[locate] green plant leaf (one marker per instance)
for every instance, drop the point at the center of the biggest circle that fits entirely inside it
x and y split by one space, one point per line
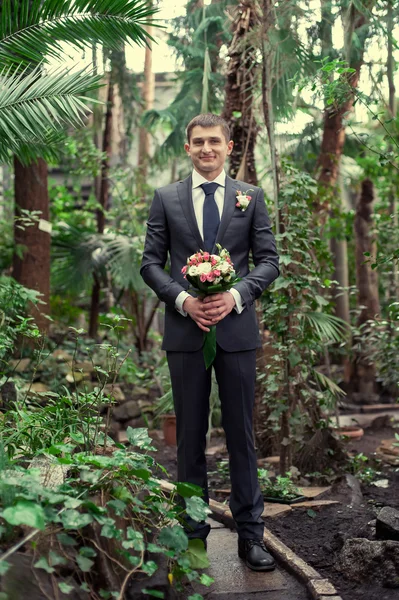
66 540
174 538
139 437
150 567
153 593
43 564
187 490
206 580
197 509
4 566
73 519
25 512
84 563
197 555
209 347
65 588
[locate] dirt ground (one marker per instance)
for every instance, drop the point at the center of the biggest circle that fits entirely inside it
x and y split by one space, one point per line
319 537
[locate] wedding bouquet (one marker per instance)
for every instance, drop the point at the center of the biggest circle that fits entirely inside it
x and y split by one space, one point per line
210 274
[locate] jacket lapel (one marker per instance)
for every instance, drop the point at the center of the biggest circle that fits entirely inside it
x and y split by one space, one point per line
184 191
228 207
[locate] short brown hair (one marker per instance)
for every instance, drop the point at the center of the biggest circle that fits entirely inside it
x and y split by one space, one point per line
208 120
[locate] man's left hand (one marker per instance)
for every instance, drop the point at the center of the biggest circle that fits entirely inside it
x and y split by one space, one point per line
218 306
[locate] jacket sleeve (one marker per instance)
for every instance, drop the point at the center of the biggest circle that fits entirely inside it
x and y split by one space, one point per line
264 254
155 255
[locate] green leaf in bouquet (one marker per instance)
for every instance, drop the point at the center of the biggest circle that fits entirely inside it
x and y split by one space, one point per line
209 348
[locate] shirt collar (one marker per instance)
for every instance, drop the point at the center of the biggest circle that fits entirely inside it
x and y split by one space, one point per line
199 180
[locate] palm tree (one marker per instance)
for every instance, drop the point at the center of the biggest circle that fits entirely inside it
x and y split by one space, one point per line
37 103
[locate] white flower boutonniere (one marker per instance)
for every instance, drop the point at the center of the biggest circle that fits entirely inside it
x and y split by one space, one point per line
243 200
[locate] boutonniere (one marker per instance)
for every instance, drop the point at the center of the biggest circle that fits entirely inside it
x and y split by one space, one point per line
243 199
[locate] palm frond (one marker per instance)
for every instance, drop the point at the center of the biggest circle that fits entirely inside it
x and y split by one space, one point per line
77 254
328 384
33 104
33 30
125 255
327 328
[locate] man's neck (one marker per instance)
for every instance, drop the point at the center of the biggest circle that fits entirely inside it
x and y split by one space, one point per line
209 176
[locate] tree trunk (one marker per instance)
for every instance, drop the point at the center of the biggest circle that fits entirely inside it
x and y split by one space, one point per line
31 262
366 277
267 106
239 93
363 381
148 102
104 202
334 128
393 208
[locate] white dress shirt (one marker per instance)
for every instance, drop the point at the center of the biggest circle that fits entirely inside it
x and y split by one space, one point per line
198 196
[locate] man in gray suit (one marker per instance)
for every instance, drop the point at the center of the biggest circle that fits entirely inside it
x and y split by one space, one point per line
186 216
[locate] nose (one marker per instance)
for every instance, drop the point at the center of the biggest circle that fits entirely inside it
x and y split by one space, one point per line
206 147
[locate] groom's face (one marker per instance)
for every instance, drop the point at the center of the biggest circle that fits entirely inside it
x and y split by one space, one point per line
208 149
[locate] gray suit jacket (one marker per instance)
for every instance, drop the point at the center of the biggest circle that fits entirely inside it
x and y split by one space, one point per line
172 228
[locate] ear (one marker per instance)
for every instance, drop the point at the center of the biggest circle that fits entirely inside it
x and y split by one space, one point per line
230 146
187 148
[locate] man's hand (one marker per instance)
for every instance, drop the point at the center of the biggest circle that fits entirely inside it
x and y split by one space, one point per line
196 309
218 306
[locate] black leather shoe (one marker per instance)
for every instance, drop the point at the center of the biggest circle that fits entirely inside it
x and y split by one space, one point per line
255 554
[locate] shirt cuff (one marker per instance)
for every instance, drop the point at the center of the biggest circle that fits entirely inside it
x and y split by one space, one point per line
180 301
239 307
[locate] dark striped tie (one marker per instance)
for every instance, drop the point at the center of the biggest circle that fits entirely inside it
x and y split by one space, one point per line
211 218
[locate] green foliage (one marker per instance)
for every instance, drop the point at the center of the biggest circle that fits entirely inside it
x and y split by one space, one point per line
15 322
281 487
360 466
297 311
61 475
30 34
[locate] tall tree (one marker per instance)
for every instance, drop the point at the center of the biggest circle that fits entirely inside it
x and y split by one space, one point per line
33 33
357 26
239 106
148 102
103 201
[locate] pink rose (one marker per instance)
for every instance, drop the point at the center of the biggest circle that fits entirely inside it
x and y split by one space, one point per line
216 272
210 276
203 277
237 204
206 256
248 197
184 270
214 261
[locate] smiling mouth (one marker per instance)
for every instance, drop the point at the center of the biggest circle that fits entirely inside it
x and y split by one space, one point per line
207 157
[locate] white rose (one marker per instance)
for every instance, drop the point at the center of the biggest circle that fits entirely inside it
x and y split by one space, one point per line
244 202
217 280
204 268
193 271
224 267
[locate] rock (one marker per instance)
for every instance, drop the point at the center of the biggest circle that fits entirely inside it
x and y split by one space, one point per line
24 581
362 560
137 422
346 489
62 356
139 392
52 474
20 365
387 526
8 395
114 392
128 410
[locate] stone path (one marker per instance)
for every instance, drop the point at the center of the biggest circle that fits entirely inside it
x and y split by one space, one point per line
234 581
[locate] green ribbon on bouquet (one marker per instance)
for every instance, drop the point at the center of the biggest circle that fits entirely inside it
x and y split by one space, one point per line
202 290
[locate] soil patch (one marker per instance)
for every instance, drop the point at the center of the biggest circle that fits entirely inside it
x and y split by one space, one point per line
317 535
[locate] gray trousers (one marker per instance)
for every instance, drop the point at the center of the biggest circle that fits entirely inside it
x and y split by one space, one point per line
191 386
